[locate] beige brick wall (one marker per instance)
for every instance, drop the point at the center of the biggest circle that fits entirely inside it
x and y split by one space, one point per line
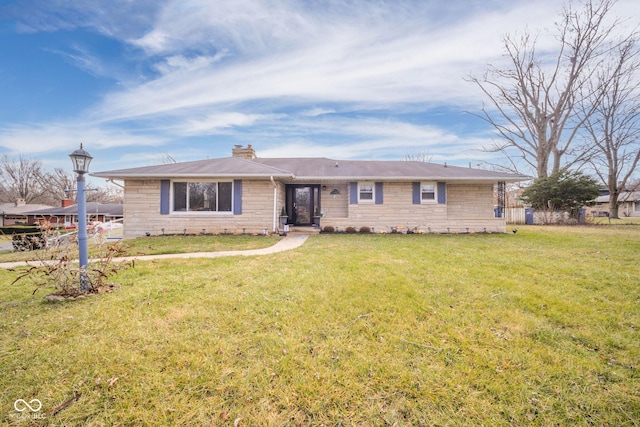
469 208
335 206
142 211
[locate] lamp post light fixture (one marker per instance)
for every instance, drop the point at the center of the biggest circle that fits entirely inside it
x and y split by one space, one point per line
81 160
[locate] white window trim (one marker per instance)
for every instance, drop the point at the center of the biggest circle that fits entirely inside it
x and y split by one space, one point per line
172 211
435 192
636 206
373 192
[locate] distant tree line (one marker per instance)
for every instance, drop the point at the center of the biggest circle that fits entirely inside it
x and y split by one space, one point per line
26 179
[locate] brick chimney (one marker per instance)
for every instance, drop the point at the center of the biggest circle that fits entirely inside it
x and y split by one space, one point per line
66 202
21 202
244 153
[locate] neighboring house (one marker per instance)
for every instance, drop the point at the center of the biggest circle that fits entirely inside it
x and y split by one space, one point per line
13 213
628 204
67 214
245 194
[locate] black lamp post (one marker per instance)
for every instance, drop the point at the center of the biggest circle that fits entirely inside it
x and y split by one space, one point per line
81 160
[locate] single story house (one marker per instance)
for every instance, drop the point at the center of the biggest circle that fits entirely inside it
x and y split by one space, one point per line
13 213
246 194
67 213
628 204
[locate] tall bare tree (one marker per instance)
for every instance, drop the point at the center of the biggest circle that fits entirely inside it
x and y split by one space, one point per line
533 100
614 126
22 178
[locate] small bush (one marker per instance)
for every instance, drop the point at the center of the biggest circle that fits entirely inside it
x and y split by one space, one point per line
328 229
350 230
365 230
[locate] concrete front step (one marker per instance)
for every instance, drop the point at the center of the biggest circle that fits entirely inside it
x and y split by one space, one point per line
303 230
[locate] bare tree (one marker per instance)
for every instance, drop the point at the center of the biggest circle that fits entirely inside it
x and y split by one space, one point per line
107 194
60 185
422 156
534 100
22 179
614 126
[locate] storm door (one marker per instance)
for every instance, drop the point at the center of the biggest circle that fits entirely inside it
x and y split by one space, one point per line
302 201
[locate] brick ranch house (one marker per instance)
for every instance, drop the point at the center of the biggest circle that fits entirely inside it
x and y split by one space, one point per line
246 194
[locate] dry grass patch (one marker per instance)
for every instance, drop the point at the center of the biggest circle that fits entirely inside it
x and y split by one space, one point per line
538 328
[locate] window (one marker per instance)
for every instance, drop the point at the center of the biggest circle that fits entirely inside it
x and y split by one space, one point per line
202 196
365 191
636 207
428 192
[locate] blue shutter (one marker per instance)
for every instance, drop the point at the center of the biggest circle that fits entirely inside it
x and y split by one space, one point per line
379 193
237 197
353 193
165 191
416 192
442 193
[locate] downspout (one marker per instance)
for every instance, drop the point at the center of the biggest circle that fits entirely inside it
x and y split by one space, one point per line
115 183
275 203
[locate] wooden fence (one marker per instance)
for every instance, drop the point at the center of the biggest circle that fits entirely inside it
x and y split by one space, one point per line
514 215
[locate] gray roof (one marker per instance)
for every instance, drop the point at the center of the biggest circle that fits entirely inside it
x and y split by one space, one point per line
312 169
19 209
231 167
93 208
627 196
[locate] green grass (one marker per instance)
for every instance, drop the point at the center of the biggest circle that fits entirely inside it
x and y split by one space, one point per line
538 328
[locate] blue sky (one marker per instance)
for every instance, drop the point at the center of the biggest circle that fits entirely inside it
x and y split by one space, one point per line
136 81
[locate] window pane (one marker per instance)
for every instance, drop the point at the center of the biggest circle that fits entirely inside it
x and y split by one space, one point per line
225 196
428 192
366 191
210 196
180 196
202 196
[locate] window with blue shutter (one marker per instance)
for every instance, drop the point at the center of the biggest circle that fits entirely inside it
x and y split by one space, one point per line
426 192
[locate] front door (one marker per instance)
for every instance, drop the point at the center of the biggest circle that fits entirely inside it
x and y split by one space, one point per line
303 206
302 200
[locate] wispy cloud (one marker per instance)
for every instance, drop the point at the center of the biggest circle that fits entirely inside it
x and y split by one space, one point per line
345 78
381 54
42 138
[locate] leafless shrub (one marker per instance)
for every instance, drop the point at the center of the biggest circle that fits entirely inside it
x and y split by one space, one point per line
56 267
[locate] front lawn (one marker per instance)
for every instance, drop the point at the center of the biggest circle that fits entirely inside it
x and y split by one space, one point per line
537 328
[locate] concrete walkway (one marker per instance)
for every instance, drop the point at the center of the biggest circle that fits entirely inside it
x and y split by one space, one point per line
286 244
